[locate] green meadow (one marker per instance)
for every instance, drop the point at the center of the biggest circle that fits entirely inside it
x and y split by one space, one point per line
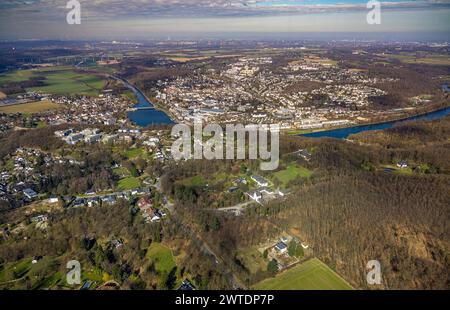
291 173
195 181
162 257
311 275
133 153
128 184
58 80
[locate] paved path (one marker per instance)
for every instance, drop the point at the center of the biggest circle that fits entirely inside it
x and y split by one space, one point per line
239 208
220 264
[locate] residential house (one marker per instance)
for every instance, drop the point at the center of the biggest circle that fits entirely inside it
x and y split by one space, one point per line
186 285
117 243
283 192
281 247
53 199
402 164
152 215
240 181
305 154
144 203
29 193
36 259
92 201
78 203
260 180
39 218
110 199
233 189
93 138
75 138
266 190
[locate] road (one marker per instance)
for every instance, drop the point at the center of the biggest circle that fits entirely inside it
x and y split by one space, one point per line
216 260
238 209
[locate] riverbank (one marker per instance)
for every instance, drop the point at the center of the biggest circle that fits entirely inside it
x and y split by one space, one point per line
343 133
144 118
386 120
417 113
164 109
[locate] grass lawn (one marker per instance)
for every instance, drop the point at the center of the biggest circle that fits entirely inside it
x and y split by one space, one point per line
128 184
13 275
16 270
196 181
121 172
311 275
162 257
22 268
32 107
252 259
291 173
94 275
48 282
41 124
221 176
133 153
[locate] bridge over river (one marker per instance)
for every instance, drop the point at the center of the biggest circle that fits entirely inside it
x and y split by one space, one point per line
139 109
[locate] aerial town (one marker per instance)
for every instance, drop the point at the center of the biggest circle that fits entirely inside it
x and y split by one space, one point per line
250 91
86 162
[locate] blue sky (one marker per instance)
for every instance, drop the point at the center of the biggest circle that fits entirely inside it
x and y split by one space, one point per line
149 19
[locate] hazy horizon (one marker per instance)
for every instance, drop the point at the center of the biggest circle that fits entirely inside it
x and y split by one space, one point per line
194 19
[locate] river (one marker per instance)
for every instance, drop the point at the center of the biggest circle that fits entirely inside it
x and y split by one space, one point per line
147 117
343 133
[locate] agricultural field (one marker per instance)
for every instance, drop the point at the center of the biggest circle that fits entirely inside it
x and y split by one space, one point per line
17 76
186 59
102 68
442 60
30 108
311 275
58 80
291 173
